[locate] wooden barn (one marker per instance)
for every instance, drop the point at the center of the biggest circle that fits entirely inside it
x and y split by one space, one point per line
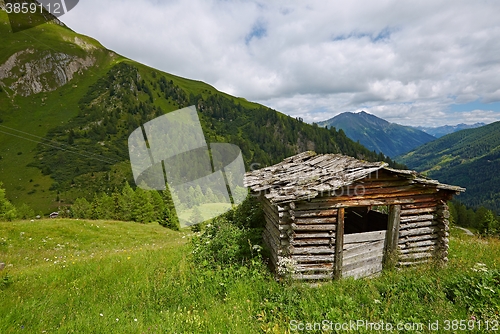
332 216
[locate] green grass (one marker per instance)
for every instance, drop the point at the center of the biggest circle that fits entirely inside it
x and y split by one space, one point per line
65 276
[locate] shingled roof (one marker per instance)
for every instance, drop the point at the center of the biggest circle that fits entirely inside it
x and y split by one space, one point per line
307 175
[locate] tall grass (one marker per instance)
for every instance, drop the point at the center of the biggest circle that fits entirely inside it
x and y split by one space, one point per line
68 276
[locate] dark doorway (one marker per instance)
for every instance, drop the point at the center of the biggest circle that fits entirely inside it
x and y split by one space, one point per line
364 219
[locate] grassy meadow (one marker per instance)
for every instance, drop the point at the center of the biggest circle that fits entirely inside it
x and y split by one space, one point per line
75 276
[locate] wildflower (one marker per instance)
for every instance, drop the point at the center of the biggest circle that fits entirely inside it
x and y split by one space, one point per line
135 320
117 319
128 258
102 315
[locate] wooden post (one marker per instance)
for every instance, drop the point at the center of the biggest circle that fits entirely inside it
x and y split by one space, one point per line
339 245
392 235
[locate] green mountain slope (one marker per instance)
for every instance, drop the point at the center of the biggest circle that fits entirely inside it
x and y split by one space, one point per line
469 158
378 134
440 131
68 105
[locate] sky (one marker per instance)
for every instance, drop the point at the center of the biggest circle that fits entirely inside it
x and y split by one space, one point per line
425 63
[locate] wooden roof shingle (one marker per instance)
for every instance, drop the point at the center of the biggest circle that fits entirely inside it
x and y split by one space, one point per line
307 174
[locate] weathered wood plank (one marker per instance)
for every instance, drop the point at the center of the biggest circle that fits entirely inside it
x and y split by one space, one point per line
322 220
311 250
312 258
431 203
339 244
418 224
309 234
432 242
411 219
313 267
375 259
363 237
313 213
379 251
311 276
419 231
409 239
392 234
364 271
312 241
415 256
363 202
417 249
364 248
315 227
411 212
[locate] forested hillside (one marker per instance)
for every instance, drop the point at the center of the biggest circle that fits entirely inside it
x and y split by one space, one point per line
468 158
378 134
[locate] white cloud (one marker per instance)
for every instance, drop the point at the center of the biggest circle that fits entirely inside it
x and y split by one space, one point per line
404 61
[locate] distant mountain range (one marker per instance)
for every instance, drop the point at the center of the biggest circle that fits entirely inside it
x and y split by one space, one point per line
468 158
378 134
447 129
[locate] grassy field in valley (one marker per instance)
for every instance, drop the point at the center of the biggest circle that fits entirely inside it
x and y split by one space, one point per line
75 276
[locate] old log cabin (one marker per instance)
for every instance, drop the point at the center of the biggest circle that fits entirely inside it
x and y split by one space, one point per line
332 216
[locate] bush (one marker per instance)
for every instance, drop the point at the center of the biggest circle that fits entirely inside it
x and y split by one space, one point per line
223 244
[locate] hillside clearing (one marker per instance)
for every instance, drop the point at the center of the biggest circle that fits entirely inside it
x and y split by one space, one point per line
66 276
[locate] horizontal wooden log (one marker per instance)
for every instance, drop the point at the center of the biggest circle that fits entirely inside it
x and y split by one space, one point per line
418 231
314 267
418 249
315 227
409 239
360 192
363 249
311 250
363 237
363 271
311 277
312 241
361 257
312 258
428 202
313 213
368 261
408 226
415 256
308 234
411 212
432 242
322 220
413 263
411 219
338 202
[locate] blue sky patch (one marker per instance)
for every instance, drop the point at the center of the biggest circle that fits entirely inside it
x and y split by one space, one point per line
475 105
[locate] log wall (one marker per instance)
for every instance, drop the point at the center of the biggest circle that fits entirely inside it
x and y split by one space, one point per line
305 231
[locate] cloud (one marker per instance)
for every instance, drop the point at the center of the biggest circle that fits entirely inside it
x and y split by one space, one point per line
404 61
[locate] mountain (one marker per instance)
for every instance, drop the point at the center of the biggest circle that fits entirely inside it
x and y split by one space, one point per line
68 106
378 134
447 129
468 158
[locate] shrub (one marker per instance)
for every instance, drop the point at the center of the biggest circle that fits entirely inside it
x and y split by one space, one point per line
222 244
